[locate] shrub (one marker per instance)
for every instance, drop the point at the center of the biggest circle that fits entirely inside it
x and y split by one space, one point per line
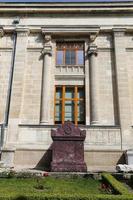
69 197
115 184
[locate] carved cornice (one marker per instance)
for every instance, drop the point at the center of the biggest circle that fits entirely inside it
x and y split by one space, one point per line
92 49
71 30
90 7
87 31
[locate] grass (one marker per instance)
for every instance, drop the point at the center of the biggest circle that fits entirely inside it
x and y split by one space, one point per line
78 186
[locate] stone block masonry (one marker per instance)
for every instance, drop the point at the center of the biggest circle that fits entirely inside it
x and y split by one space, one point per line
106 76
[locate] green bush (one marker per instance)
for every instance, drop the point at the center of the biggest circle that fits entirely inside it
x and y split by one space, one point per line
115 184
68 197
123 193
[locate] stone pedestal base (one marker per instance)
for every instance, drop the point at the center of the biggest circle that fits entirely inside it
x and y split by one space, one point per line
68 149
68 167
68 156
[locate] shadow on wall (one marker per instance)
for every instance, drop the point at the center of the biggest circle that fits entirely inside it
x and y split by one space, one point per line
45 161
122 159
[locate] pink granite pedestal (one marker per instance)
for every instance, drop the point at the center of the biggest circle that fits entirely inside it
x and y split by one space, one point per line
68 149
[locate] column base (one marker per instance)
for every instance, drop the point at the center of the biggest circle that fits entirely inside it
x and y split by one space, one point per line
44 122
95 123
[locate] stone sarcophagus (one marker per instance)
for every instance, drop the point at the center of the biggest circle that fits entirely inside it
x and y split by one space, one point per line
68 149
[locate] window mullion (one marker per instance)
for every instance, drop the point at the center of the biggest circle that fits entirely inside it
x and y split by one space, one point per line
76 57
54 103
76 106
64 54
63 104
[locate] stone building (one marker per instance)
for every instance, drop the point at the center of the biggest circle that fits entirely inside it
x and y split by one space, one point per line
66 61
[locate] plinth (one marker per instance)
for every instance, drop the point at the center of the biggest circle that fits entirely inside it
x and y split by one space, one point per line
68 149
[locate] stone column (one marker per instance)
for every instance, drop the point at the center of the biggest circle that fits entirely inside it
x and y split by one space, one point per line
92 53
123 88
46 83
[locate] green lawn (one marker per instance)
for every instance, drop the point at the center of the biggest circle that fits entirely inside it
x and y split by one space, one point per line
18 186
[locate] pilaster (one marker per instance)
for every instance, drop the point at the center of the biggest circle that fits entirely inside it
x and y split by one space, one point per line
17 83
18 64
123 88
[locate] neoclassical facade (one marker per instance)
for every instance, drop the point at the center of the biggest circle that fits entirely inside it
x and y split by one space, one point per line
60 62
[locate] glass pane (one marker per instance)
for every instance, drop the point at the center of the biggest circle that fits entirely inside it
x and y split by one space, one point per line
73 57
68 57
81 111
58 109
80 59
69 93
58 93
59 60
69 111
81 93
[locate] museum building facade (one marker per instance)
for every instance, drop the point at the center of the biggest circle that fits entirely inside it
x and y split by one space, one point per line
66 62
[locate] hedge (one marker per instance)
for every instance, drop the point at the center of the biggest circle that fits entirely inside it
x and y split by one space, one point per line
68 197
123 193
115 184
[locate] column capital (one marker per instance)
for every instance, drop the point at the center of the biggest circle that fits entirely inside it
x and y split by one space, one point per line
1 32
93 36
22 31
119 32
47 38
47 49
92 49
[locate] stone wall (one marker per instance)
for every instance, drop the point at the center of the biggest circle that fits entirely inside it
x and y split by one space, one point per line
112 86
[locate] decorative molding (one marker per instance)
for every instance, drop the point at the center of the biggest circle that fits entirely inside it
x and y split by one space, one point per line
47 38
92 49
71 29
5 49
105 49
22 31
82 30
34 49
69 77
130 49
102 127
47 49
88 7
70 70
119 32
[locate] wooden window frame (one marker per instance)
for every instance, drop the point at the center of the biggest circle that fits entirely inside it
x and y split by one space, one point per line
63 100
70 48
